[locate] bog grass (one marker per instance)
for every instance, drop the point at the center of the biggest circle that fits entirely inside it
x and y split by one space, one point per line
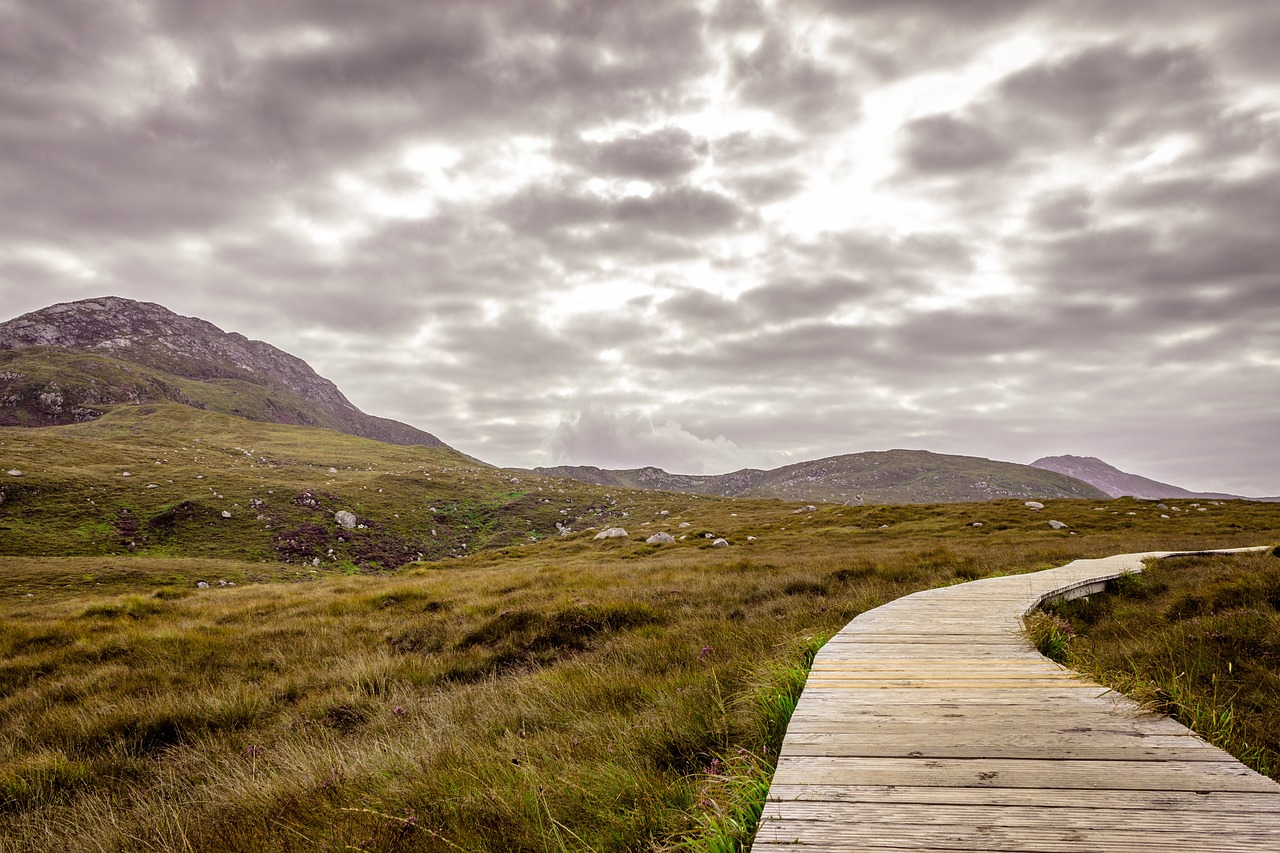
527 692
1197 638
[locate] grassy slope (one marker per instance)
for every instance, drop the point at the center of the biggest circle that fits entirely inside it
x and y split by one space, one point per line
914 476
88 384
1197 638
558 694
186 467
894 476
91 384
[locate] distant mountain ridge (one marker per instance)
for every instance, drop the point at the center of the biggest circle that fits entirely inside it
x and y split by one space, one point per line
892 476
1117 483
72 361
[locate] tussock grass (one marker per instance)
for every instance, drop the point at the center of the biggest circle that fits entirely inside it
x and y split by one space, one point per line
529 692
1197 638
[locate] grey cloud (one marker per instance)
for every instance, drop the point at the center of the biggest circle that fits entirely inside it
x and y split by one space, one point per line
1206 249
1067 210
1150 296
797 298
770 186
738 15
962 12
684 210
1136 90
657 155
610 439
1255 43
681 210
782 76
744 147
949 144
253 128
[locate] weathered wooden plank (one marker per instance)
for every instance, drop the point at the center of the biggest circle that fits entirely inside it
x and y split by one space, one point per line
1228 802
1223 775
1040 746
960 814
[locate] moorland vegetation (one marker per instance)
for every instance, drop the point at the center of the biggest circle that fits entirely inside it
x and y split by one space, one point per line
1194 637
453 673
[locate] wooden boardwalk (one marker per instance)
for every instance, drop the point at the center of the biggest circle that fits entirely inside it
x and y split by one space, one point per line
931 724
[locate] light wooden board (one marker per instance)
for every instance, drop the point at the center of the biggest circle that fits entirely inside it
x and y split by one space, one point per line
930 724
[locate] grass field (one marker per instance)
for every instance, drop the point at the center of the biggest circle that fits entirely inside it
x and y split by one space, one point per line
1197 638
527 692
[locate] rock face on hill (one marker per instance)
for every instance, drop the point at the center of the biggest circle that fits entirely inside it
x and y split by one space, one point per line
894 476
1117 483
72 361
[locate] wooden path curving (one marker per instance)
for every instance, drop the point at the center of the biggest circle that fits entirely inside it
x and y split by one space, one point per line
931 724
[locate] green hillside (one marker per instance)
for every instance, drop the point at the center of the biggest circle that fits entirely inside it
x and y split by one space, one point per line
894 476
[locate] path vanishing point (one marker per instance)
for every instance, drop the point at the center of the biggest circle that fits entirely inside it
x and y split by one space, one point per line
931 724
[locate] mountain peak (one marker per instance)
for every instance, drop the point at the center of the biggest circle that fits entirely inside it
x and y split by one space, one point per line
151 336
1112 480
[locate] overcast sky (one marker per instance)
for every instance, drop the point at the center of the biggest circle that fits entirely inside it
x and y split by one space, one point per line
695 235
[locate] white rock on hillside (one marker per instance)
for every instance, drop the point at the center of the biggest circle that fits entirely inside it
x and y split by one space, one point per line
1033 505
661 539
612 533
721 543
1057 525
809 508
14 472
345 519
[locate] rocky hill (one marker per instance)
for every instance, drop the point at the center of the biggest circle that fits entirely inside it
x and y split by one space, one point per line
1117 483
74 361
894 476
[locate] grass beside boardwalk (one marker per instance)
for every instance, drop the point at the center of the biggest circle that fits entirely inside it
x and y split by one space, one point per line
569 696
511 690
1197 638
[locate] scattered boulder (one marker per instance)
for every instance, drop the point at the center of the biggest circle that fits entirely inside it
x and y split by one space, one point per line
721 543
708 536
226 514
515 481
684 524
14 472
1033 504
751 538
664 512
202 584
333 470
612 533
1057 525
976 524
661 539
809 508
345 519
